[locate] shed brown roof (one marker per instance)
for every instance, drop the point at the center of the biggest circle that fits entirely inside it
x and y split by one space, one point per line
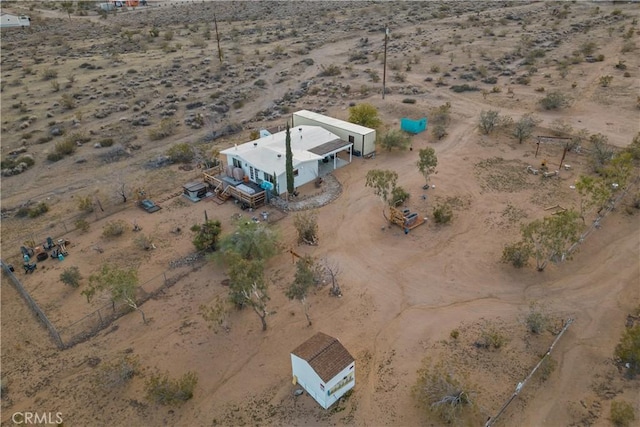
325 355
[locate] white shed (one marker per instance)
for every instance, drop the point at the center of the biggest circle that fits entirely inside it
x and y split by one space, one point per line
324 368
362 138
8 20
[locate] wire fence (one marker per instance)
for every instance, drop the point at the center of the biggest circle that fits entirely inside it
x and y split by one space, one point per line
601 215
33 305
94 322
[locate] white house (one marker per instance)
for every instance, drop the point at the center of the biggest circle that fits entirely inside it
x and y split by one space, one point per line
316 151
362 138
324 368
8 20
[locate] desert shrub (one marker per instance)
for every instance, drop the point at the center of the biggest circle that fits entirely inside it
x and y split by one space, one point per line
622 413
54 157
536 320
160 389
409 101
168 35
143 242
523 80
464 88
199 42
82 225
260 83
440 118
114 228
71 276
605 81
181 153
399 77
442 213
628 46
65 147
395 139
119 371
601 152
491 338
398 195
554 101
67 101
454 334
306 224
49 74
22 212
435 68
85 204
628 350
55 85
207 235
106 142
439 393
329 70
546 368
167 127
39 209
27 160
44 139
516 254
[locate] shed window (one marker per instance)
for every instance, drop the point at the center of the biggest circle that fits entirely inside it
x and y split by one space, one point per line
351 139
295 172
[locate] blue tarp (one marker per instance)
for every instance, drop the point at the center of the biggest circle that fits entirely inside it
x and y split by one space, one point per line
413 126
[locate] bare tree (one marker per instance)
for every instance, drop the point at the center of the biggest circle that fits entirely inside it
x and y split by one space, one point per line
332 268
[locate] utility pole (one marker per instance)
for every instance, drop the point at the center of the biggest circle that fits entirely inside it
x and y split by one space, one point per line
215 21
384 71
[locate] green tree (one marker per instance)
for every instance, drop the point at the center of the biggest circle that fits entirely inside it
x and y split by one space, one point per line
550 236
247 286
523 128
618 170
303 281
251 241
427 162
383 182
207 235
394 139
628 349
593 191
119 283
365 115
289 162
488 121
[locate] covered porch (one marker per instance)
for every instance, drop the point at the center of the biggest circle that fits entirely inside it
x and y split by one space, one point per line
336 154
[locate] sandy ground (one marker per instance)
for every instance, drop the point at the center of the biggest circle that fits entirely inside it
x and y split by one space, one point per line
403 295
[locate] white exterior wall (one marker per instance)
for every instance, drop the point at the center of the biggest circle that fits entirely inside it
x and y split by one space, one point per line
8 21
364 143
307 172
313 384
350 382
308 379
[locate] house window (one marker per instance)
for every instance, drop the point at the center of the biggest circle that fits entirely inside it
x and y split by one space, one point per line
322 387
258 180
269 178
295 172
251 174
236 163
351 139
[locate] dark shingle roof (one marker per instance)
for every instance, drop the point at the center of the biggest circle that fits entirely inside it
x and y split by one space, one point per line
325 355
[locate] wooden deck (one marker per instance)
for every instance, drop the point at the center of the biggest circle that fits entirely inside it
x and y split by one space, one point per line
225 190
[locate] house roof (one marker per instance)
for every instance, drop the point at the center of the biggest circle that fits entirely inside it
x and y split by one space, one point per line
325 355
361 130
269 153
